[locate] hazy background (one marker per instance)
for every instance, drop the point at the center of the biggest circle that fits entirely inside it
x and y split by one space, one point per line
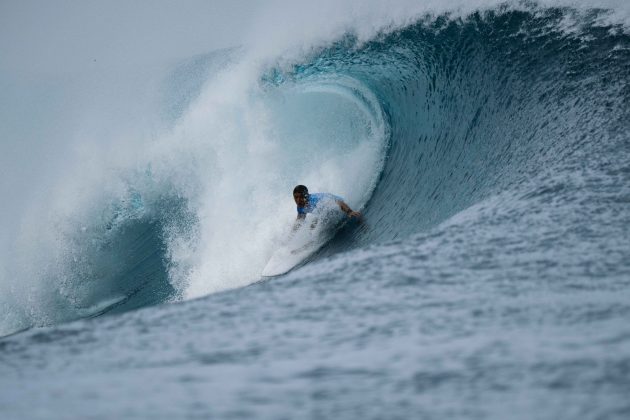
61 60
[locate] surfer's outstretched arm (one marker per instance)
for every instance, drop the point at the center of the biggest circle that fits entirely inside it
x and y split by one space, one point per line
346 209
298 221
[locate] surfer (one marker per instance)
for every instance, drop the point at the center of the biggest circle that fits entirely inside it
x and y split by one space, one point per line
307 203
319 227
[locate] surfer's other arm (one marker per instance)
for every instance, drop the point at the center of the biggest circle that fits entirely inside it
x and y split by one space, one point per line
298 221
346 209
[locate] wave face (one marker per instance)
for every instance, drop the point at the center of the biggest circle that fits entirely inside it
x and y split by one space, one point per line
497 111
493 103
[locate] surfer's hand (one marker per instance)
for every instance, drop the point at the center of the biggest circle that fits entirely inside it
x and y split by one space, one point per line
354 214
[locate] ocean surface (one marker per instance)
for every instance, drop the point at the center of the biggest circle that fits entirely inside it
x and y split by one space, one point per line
489 152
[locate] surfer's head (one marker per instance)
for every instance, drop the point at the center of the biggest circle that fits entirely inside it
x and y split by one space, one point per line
300 195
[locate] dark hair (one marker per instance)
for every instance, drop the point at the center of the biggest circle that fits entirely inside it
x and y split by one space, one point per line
300 189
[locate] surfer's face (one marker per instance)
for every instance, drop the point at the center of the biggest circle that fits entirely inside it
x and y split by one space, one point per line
300 199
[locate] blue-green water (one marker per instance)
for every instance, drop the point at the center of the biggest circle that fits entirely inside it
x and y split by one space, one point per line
491 278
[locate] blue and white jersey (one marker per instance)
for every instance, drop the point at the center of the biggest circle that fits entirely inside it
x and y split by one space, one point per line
316 199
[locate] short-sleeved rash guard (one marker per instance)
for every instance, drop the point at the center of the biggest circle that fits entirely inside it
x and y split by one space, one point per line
315 199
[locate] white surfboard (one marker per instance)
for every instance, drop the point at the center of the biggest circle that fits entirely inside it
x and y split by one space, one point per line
285 259
304 242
